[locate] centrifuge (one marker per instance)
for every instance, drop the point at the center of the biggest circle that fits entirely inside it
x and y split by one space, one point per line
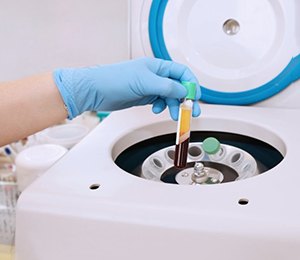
117 194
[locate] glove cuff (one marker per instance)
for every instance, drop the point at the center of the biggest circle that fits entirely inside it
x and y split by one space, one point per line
62 79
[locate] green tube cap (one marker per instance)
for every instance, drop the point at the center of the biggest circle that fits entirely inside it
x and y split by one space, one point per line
191 88
211 145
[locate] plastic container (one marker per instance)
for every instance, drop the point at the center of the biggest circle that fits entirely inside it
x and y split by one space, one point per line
65 135
34 161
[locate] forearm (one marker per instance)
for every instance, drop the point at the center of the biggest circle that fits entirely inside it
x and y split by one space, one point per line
29 105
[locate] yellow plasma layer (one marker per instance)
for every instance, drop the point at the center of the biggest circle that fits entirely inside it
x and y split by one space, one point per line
185 121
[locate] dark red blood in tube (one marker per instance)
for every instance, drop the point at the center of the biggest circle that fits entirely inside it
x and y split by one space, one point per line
181 152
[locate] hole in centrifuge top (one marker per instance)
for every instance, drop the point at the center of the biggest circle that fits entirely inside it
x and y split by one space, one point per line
243 201
94 186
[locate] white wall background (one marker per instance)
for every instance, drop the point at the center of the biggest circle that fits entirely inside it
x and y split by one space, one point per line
40 35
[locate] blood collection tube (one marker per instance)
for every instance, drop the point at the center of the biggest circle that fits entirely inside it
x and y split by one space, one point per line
183 127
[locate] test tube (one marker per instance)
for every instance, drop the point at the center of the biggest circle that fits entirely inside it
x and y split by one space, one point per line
183 127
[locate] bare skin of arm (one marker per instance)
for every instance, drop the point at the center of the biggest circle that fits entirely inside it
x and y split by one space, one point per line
28 106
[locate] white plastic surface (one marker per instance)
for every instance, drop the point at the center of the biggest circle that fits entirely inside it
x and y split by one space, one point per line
260 50
193 32
127 217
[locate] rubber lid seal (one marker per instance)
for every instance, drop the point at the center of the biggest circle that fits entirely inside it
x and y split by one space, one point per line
211 145
191 89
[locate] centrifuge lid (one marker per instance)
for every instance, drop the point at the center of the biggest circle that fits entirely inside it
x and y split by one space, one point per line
242 51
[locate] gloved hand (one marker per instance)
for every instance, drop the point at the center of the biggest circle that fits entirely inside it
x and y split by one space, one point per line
132 83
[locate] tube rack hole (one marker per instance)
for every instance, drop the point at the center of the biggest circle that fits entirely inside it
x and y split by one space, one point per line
195 151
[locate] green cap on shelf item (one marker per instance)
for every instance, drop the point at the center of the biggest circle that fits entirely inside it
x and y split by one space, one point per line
191 88
102 115
211 145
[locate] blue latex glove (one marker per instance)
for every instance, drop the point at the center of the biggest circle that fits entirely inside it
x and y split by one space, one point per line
122 85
